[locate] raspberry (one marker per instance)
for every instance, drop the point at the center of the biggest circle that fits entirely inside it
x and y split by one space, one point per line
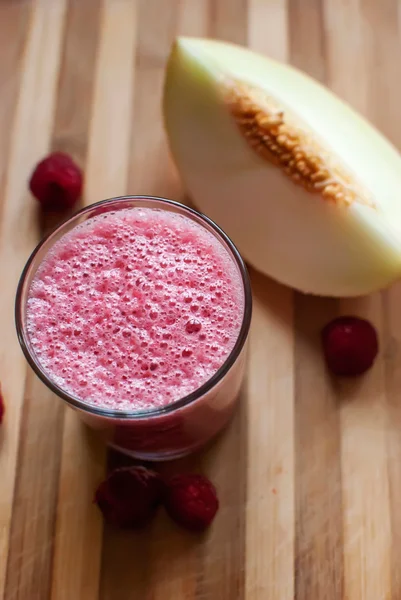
191 501
2 408
56 182
350 346
129 497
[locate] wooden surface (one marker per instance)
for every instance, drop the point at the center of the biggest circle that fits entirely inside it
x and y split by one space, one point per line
309 474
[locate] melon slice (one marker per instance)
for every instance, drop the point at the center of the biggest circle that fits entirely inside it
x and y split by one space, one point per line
307 189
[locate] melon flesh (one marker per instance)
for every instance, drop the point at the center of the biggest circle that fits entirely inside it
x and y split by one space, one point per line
307 189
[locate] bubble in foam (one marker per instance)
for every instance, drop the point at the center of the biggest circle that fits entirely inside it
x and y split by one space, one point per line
193 326
110 294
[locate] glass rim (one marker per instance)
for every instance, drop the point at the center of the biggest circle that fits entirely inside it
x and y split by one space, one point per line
206 387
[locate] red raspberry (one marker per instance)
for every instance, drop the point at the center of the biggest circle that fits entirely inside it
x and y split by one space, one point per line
191 501
2 408
56 182
129 497
350 345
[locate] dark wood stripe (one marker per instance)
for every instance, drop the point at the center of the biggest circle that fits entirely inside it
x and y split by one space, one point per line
76 80
307 37
229 20
125 559
30 557
318 544
391 347
383 73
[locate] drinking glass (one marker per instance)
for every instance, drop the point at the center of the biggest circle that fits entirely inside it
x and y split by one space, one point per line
178 428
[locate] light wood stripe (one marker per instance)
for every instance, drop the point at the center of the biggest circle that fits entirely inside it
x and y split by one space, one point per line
31 136
367 525
268 28
319 544
270 414
346 54
319 561
108 161
270 457
385 88
193 18
222 569
151 169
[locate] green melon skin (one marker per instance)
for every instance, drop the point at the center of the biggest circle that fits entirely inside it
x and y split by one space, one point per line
292 234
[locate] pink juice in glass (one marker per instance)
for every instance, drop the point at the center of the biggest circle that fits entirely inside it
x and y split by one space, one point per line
131 313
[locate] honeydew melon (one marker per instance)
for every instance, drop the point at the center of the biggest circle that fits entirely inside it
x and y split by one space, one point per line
308 190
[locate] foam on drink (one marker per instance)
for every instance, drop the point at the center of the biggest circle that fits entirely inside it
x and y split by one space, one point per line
135 308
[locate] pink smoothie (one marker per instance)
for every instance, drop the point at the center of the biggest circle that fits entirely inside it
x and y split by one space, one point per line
135 309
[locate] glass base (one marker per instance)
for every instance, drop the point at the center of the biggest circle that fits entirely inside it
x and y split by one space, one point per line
166 456
152 456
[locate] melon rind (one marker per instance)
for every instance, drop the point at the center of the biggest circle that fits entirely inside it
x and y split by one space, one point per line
297 237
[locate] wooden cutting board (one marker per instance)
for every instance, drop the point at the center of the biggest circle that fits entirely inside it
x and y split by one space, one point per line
309 473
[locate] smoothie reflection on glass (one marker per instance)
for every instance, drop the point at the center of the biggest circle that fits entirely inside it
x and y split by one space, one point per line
136 312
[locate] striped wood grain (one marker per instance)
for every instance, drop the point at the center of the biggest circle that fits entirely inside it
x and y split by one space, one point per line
309 471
